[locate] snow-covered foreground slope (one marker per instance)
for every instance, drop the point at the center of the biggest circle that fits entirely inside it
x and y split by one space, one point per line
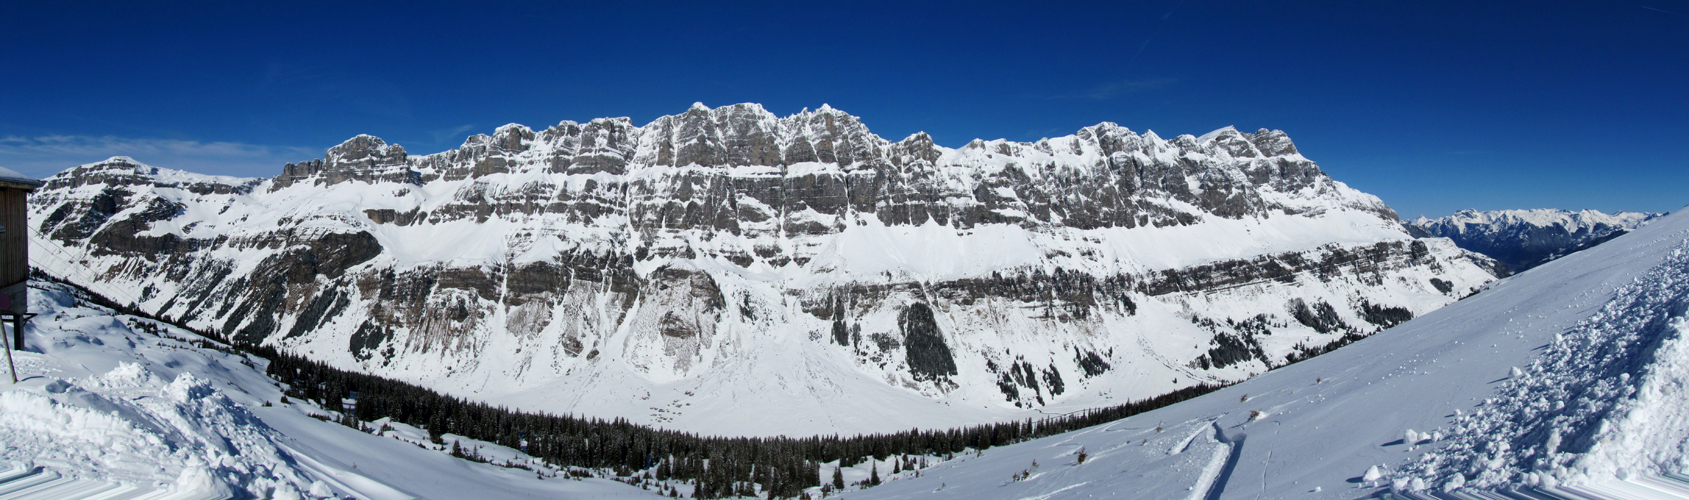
113 408
1434 404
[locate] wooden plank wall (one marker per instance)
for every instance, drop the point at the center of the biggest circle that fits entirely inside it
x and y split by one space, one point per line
14 243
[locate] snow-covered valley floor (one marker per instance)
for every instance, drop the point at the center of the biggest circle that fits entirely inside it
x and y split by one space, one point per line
1569 378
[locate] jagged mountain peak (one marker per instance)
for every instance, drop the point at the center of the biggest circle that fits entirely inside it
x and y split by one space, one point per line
747 134
1227 130
1570 219
366 149
117 161
1273 143
128 166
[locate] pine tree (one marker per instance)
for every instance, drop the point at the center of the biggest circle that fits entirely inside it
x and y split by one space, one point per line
874 475
838 477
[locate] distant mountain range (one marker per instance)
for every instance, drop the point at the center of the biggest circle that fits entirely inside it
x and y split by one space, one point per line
732 272
1523 239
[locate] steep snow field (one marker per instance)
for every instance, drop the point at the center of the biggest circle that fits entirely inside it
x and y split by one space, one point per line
1595 408
114 409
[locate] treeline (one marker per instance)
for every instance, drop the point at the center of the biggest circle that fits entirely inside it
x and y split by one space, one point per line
717 466
720 466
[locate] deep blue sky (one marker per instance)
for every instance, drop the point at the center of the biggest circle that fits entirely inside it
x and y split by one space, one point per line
1433 106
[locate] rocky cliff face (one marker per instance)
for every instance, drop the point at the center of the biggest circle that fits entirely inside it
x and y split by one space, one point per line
1523 239
730 271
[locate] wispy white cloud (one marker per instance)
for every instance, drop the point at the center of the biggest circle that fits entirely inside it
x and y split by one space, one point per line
445 136
46 155
1660 10
310 88
1118 88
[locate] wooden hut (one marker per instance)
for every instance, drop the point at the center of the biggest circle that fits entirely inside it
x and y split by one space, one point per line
14 250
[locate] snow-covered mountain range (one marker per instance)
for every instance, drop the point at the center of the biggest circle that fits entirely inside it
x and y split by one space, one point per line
1523 239
729 271
1566 381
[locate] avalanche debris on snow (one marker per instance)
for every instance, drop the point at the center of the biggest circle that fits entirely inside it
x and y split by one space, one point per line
1606 399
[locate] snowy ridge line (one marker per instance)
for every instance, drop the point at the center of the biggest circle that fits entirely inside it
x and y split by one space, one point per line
1523 239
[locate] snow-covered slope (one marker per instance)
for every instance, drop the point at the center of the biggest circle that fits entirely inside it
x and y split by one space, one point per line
728 271
1569 377
124 407
1523 239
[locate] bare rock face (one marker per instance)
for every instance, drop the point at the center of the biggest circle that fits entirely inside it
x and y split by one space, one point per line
928 357
363 158
740 266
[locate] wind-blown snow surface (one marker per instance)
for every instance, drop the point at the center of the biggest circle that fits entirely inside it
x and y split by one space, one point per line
101 400
1598 396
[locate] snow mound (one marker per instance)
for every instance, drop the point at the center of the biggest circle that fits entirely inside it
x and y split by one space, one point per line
1607 399
130 426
